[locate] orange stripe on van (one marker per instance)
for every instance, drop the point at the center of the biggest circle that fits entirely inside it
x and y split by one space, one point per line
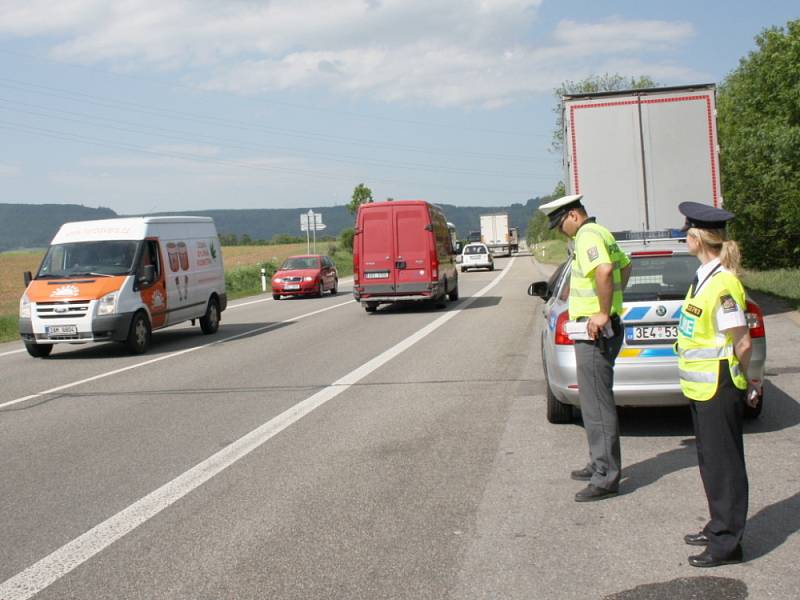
78 288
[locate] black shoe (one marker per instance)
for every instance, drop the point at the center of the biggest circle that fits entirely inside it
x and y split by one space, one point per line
584 474
592 492
696 539
705 559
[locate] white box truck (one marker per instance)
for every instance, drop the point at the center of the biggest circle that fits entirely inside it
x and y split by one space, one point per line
494 233
121 279
636 154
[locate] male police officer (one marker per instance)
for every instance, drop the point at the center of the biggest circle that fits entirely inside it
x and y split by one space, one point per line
599 273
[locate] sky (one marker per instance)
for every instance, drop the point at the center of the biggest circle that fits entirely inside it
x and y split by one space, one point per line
151 106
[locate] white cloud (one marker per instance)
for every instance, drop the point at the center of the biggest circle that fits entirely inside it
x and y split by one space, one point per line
444 53
9 170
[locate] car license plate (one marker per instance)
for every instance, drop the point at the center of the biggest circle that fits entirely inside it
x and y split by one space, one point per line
291 286
62 330
642 334
377 275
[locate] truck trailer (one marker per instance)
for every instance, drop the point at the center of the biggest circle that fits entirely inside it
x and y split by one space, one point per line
494 233
636 154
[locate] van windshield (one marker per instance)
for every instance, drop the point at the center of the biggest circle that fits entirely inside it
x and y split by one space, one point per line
82 259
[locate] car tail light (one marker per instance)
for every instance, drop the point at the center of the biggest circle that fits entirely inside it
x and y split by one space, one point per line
562 339
755 320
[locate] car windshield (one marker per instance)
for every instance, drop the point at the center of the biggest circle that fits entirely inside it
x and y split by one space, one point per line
300 262
475 250
97 259
666 277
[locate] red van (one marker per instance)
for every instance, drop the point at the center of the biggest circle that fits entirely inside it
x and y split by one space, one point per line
402 251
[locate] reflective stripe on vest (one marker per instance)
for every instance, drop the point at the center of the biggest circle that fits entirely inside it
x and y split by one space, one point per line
700 346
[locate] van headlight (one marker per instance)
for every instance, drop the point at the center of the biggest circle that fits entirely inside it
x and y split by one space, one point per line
24 307
107 305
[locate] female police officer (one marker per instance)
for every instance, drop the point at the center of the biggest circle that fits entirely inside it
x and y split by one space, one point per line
713 356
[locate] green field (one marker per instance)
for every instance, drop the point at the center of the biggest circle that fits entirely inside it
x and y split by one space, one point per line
783 283
242 273
551 252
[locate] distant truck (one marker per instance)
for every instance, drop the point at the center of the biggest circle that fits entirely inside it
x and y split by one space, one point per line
636 154
494 233
513 239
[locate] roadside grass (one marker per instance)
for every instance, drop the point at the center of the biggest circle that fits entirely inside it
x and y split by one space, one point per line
551 252
782 283
242 273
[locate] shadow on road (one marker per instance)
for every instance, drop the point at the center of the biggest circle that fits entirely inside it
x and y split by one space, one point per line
771 526
428 307
705 587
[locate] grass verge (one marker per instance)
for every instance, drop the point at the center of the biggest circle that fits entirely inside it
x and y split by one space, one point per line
782 283
551 252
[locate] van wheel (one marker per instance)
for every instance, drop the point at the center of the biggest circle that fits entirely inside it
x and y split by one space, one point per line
39 350
453 295
370 306
752 412
209 322
139 334
276 296
335 289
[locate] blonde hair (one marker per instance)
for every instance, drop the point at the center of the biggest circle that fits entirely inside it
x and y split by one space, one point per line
716 242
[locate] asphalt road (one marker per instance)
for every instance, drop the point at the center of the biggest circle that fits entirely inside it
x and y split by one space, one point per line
312 450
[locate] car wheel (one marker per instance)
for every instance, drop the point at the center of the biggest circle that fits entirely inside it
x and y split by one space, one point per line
39 350
370 306
320 290
557 412
752 412
209 322
276 296
491 267
463 269
335 289
139 334
453 295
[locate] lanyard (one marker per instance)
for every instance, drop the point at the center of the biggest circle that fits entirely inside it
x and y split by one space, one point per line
695 288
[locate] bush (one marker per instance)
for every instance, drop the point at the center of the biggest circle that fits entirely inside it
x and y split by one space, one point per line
346 239
9 328
243 281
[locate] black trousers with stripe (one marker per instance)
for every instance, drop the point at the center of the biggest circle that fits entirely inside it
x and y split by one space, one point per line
720 456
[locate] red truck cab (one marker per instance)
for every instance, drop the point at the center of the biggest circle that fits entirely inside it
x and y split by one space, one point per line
402 251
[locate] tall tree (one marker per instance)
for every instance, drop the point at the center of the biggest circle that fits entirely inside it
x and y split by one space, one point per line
361 195
592 84
759 131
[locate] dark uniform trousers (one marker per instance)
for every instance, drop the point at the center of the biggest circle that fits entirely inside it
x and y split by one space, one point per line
595 369
720 456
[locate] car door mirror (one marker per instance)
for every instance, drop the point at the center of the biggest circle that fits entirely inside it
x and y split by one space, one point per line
540 289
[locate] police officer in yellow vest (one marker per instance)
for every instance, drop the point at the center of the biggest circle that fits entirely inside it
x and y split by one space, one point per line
598 276
713 355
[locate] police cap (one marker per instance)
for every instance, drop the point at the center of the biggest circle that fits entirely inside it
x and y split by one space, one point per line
703 216
556 209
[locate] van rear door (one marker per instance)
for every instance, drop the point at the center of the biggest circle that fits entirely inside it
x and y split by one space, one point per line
413 248
377 250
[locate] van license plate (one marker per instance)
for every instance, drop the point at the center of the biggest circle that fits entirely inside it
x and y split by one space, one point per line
292 286
377 275
651 333
62 330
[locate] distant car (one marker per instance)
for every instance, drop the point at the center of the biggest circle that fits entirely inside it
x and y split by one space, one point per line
305 275
646 371
476 256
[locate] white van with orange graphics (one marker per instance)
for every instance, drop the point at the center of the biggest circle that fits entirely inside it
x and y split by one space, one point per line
120 279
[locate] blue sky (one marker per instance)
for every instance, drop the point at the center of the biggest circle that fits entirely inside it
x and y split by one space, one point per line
149 106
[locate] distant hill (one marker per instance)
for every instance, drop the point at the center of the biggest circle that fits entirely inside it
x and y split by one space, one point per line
33 225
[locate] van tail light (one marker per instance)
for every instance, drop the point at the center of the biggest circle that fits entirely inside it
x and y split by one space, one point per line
434 265
562 339
755 320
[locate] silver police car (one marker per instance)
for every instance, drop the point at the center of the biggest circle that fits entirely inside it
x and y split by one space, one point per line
646 371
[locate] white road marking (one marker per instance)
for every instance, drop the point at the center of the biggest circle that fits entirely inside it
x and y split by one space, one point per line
12 352
51 568
166 356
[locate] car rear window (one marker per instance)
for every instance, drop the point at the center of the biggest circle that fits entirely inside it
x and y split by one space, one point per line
664 277
475 250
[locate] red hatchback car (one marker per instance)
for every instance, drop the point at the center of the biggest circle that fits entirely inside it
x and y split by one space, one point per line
306 275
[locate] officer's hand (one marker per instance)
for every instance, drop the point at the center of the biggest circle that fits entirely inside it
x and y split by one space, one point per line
753 394
596 323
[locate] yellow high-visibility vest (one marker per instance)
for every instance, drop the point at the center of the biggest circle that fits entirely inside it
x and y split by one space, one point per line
700 345
594 245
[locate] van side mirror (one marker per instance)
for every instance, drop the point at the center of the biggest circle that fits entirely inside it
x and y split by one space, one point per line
27 277
429 227
149 274
540 289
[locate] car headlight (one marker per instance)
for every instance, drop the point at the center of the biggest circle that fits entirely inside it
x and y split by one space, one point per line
107 305
308 278
24 307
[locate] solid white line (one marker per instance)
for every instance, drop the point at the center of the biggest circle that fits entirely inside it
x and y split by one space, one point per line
12 352
71 555
166 356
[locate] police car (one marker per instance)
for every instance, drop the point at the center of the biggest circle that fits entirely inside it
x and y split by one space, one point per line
646 371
